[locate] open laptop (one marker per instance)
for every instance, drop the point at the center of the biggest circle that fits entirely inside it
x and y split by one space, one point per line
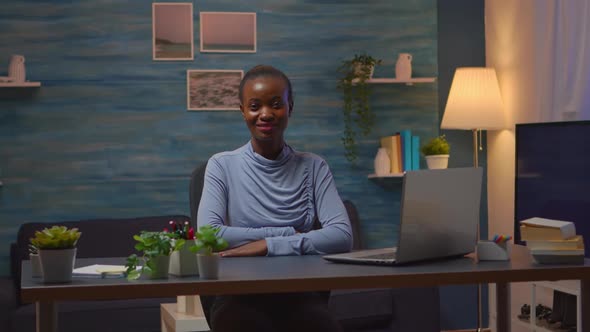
439 217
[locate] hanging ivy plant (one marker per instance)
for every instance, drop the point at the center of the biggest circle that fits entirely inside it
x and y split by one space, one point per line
356 110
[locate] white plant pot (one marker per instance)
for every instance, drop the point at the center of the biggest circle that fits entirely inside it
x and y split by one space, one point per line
36 271
184 262
438 161
57 264
162 265
208 266
358 71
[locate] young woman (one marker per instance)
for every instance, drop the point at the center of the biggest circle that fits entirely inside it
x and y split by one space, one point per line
264 197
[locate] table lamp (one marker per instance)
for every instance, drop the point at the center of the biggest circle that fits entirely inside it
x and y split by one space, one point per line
474 104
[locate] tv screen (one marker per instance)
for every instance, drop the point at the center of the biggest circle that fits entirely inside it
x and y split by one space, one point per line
553 174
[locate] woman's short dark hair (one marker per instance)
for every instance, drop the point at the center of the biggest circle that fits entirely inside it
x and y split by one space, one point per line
266 70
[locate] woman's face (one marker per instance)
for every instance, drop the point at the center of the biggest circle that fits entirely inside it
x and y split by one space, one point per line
265 107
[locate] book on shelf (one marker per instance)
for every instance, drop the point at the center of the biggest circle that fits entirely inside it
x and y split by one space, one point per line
393 146
575 242
546 229
406 143
415 152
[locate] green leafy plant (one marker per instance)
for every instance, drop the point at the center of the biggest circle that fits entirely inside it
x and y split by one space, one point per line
357 113
208 241
436 146
152 245
56 237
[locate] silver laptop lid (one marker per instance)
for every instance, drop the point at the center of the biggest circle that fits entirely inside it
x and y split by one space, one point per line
439 213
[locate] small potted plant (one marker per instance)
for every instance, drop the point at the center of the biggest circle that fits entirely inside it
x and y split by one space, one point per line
156 248
357 113
183 262
206 246
57 252
436 152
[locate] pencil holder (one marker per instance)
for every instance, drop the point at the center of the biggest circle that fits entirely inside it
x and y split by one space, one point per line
492 251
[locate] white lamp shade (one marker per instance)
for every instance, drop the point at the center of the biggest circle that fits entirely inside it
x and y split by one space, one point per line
474 101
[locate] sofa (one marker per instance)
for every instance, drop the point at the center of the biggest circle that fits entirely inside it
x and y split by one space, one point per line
356 310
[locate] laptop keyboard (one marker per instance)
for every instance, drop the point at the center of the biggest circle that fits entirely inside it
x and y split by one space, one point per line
385 255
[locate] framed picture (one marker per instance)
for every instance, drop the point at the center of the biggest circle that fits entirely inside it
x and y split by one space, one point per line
213 90
172 31
228 32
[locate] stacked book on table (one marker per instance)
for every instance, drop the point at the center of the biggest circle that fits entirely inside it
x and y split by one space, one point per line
552 241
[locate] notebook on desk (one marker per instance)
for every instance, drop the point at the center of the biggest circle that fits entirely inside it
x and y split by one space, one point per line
439 217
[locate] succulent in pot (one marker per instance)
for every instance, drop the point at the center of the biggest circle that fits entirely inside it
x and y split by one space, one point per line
56 247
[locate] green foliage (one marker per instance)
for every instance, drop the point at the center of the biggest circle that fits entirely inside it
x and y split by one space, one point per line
56 237
207 241
152 245
437 145
357 113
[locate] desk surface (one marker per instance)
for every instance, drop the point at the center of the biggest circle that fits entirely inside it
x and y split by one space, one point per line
299 273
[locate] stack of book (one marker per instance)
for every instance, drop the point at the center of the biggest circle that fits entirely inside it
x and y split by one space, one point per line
552 241
403 150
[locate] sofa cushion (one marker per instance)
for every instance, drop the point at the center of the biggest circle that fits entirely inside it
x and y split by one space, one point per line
119 315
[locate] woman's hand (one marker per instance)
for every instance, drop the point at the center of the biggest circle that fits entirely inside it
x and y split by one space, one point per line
256 248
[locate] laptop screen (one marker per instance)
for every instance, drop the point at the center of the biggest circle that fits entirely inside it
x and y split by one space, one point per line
439 213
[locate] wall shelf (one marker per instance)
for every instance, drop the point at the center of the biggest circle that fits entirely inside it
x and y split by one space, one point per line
386 80
20 85
395 80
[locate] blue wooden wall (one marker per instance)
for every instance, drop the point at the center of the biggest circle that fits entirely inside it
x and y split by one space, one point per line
108 133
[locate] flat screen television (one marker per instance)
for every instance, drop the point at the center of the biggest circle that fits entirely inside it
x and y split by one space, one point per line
553 174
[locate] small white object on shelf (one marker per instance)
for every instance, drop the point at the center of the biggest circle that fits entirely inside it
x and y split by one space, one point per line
381 162
389 175
20 85
403 66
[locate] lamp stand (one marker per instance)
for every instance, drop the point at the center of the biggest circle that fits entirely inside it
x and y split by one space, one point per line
475 164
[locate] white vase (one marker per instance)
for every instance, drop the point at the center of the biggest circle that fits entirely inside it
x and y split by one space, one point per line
183 262
208 266
36 271
16 69
438 161
382 163
57 264
403 66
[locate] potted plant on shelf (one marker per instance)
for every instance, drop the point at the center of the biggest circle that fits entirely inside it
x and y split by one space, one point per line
156 248
206 246
183 262
357 113
436 152
57 252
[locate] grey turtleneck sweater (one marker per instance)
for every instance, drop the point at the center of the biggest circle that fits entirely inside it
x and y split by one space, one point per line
251 198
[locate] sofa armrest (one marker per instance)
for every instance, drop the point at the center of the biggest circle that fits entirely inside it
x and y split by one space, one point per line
8 302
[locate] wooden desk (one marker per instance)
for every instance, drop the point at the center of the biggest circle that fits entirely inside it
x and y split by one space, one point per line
306 273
